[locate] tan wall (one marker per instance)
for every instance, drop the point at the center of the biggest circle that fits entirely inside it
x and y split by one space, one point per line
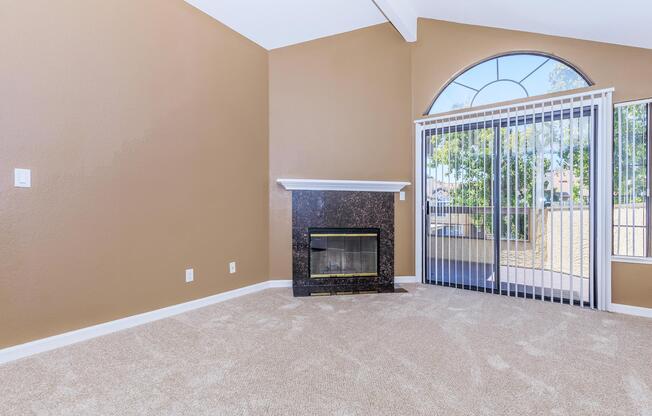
340 109
631 284
145 123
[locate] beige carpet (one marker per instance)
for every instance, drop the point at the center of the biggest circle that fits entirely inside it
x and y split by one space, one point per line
432 351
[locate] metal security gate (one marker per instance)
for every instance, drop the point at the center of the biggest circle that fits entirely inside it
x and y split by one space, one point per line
510 199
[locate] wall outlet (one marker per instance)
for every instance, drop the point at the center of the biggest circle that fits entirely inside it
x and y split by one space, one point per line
190 275
232 267
22 178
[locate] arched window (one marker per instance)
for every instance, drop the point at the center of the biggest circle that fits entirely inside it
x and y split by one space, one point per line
508 77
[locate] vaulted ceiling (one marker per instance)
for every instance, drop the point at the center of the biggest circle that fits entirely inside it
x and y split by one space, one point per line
277 23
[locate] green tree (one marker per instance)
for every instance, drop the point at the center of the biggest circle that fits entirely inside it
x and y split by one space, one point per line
530 157
630 154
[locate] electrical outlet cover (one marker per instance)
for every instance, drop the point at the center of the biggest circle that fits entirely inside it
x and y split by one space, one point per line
22 178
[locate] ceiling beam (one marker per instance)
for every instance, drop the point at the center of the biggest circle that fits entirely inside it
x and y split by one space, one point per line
400 14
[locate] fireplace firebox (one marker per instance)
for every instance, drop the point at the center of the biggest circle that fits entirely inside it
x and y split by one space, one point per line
343 252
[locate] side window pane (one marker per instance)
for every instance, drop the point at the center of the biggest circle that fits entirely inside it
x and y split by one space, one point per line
630 181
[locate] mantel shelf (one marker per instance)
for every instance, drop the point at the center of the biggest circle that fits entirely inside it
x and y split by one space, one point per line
341 185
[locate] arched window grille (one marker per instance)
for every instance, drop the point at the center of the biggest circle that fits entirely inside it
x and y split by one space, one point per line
508 77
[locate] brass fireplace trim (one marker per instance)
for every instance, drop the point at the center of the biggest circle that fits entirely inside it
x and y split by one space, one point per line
324 233
343 235
318 276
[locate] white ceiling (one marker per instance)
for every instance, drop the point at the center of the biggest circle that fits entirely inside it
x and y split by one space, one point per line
277 23
625 22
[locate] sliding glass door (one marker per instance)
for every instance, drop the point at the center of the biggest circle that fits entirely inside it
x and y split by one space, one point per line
509 201
460 193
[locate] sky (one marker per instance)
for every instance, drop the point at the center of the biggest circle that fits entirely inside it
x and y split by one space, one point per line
501 79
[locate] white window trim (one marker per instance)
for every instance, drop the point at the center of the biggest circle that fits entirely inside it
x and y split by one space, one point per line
621 258
635 102
631 259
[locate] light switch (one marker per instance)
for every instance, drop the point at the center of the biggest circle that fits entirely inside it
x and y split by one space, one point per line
190 275
22 178
402 196
232 267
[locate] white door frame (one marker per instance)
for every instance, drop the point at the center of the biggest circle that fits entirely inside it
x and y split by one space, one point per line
602 99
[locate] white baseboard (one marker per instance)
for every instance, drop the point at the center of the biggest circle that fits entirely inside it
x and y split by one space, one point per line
406 279
630 310
68 338
279 283
84 334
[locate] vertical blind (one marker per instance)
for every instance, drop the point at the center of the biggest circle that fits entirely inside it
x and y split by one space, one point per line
509 197
631 181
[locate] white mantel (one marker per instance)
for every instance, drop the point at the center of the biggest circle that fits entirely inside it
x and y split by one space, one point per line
341 185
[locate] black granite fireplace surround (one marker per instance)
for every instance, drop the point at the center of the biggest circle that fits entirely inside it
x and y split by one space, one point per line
353 213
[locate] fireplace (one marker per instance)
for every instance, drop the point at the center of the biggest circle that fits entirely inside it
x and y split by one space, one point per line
342 242
343 252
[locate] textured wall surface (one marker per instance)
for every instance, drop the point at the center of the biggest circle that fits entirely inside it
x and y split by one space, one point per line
340 109
145 126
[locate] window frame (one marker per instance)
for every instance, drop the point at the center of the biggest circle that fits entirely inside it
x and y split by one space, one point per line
626 258
546 55
648 199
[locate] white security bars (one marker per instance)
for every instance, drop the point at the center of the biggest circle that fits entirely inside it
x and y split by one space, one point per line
511 199
631 201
